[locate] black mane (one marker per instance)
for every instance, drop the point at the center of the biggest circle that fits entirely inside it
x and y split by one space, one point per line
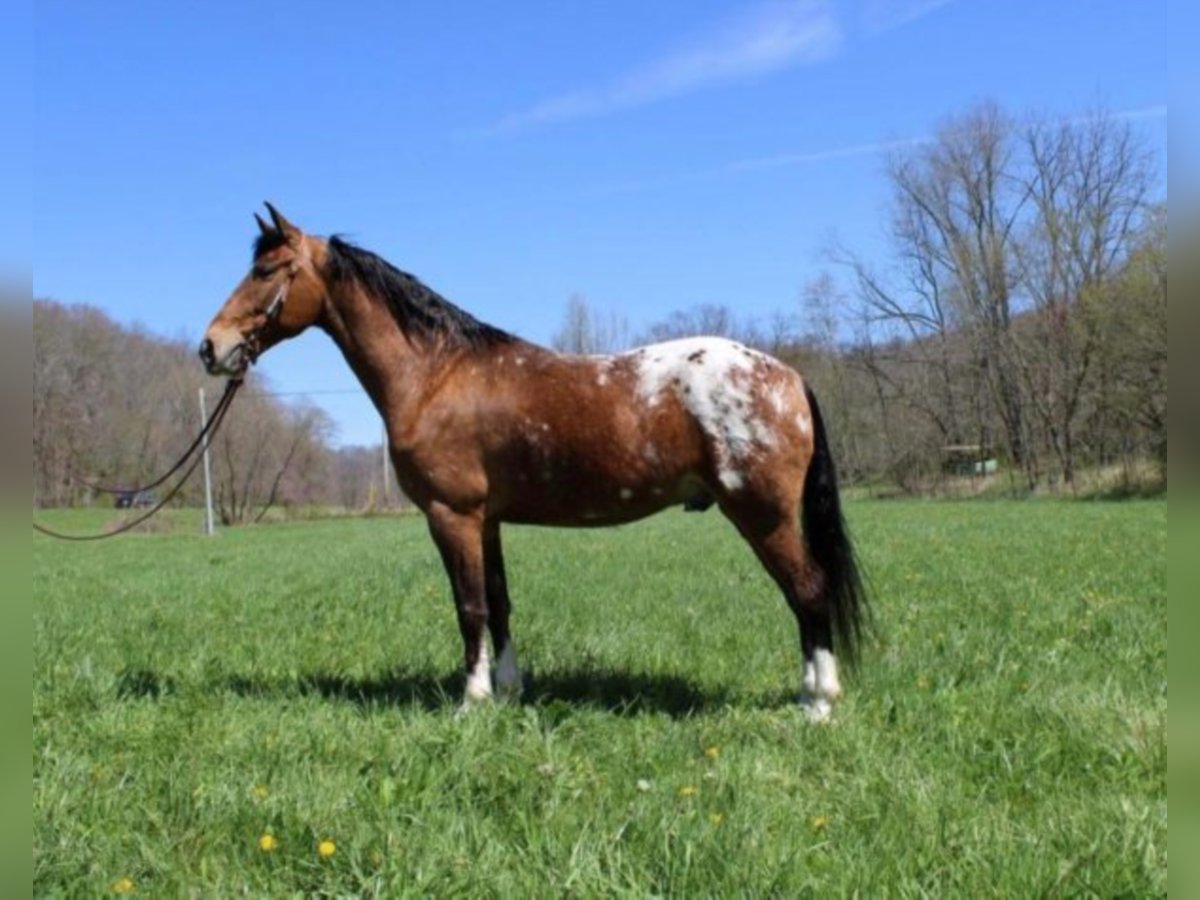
419 310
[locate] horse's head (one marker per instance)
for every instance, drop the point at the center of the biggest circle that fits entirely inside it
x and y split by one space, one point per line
281 295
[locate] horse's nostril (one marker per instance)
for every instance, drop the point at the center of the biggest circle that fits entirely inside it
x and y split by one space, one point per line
206 352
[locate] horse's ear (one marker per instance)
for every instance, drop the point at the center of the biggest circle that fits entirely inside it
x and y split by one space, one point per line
266 229
282 225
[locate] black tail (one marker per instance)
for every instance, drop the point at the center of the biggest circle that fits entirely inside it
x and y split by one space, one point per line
829 543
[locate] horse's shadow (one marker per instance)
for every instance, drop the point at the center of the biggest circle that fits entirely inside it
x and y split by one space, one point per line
622 692
618 692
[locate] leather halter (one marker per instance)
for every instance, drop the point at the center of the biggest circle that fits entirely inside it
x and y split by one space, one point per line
274 311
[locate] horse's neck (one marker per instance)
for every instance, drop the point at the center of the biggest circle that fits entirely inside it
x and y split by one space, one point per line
390 367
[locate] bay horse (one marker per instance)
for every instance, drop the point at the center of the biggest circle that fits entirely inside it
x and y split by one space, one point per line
486 428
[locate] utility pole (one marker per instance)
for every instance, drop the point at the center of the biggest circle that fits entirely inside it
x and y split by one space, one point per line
208 506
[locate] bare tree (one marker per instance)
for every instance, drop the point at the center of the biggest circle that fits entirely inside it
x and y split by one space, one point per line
357 476
938 326
1088 182
709 319
959 204
826 367
586 330
260 445
1130 389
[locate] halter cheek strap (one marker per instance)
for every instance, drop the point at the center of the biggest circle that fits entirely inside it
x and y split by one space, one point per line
274 311
276 306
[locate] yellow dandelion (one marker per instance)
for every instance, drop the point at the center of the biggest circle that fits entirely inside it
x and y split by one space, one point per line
818 823
267 843
716 818
689 790
326 849
261 792
713 752
922 682
123 886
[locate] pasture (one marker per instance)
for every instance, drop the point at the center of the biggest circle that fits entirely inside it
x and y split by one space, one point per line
1006 734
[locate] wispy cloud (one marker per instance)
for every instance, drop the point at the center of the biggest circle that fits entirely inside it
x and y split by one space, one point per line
879 16
877 148
773 36
813 156
1145 112
753 164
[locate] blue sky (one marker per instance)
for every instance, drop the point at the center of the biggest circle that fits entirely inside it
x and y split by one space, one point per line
651 156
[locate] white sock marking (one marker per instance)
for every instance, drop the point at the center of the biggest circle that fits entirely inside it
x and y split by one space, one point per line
479 679
820 686
828 684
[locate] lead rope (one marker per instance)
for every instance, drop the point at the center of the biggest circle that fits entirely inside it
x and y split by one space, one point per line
206 434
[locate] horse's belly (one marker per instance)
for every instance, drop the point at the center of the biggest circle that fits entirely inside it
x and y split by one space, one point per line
588 502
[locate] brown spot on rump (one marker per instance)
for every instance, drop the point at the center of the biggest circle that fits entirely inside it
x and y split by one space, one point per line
696 356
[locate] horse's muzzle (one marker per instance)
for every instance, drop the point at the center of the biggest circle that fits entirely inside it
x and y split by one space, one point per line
231 361
207 356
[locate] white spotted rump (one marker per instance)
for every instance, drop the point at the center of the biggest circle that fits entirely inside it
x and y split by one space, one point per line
715 380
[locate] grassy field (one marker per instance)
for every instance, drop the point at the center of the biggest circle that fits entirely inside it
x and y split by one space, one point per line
1006 735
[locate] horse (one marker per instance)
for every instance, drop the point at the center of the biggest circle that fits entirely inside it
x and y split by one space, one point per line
486 428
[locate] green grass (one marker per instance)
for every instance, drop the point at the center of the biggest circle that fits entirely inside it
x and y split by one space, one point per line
1006 735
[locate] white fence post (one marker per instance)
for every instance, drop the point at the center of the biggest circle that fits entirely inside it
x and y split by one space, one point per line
208 505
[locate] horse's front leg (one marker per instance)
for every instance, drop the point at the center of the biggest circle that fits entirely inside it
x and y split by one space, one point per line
459 538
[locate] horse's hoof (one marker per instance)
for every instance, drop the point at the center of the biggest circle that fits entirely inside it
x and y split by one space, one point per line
816 709
510 691
472 701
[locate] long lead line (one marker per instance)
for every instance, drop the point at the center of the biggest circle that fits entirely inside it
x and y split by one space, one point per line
209 430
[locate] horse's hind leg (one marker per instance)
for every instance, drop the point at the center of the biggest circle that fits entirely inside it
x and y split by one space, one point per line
508 676
773 533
